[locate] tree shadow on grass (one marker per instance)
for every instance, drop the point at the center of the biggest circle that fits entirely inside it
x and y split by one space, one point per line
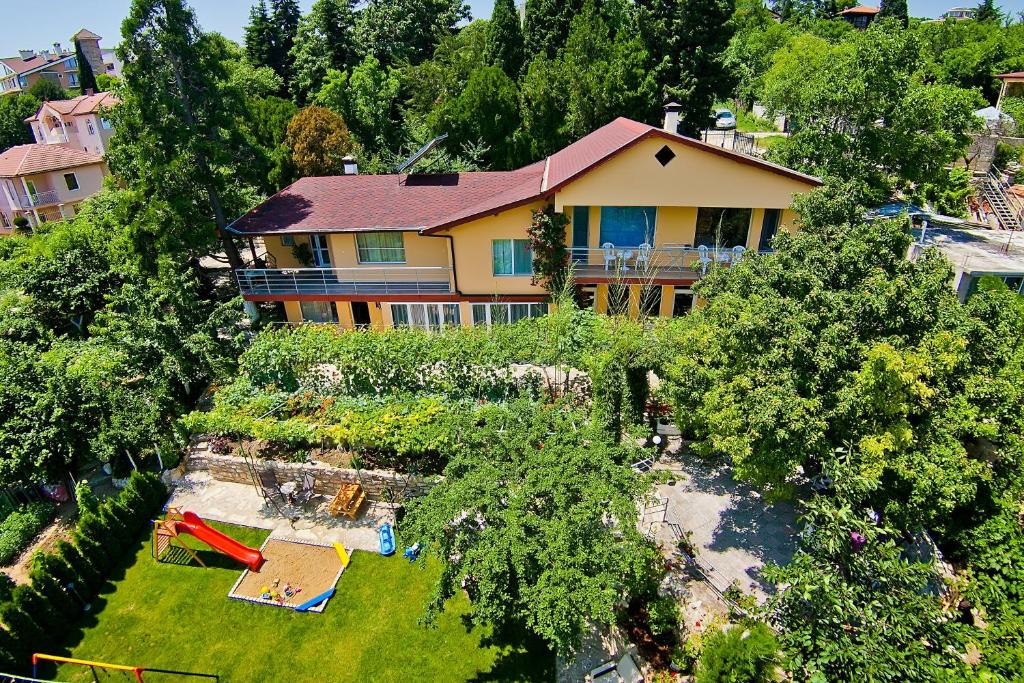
522 656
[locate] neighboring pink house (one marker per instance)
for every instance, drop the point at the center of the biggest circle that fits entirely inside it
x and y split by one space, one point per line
46 182
78 122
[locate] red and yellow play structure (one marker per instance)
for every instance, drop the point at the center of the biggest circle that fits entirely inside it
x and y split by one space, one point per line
168 532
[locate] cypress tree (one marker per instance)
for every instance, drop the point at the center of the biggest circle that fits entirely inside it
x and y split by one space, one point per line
895 9
700 35
503 46
259 36
547 25
86 77
987 11
284 22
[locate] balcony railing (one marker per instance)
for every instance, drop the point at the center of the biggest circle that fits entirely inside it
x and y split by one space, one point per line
31 201
614 262
55 137
397 280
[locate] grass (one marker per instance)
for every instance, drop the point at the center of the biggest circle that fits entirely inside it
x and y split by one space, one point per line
171 616
746 122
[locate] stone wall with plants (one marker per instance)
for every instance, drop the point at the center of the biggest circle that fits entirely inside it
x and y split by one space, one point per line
387 486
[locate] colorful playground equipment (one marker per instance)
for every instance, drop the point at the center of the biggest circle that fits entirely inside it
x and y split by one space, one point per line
135 672
168 532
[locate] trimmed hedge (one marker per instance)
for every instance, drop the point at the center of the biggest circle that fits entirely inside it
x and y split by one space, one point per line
20 527
36 616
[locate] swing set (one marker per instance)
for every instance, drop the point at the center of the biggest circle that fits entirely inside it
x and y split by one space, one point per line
126 672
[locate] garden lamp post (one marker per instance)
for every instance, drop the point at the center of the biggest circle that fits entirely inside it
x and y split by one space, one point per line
86 606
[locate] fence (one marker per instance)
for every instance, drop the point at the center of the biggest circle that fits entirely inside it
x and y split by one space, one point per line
733 140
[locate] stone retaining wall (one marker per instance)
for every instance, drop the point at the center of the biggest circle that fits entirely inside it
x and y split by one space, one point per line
328 479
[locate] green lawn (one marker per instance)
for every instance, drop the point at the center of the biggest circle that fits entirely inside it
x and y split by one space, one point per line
179 617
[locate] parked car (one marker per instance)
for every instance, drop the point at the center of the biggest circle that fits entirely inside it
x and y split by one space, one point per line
724 119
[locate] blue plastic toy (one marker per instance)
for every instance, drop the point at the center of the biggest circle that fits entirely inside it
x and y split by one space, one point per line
412 552
387 539
306 606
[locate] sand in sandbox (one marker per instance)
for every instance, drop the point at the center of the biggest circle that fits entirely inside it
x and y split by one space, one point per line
313 568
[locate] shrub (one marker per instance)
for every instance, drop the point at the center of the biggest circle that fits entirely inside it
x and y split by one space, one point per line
27 600
662 615
6 586
50 575
87 578
742 654
87 500
26 634
96 541
20 527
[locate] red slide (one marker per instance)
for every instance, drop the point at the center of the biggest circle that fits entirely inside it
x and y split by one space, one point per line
195 526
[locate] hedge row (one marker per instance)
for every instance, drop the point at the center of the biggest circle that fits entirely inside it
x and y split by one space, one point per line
39 615
20 527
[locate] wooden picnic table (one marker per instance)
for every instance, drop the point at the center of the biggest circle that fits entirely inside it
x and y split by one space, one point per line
347 501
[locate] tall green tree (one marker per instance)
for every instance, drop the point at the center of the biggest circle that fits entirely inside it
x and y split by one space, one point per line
325 41
701 30
259 36
284 18
14 109
536 519
547 25
86 77
987 11
504 45
171 142
367 99
317 141
895 9
485 113
394 31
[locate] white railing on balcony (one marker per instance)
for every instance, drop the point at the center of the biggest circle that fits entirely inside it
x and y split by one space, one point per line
613 261
35 199
344 281
56 137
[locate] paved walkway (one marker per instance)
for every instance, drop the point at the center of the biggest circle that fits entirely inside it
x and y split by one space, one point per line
733 530
242 504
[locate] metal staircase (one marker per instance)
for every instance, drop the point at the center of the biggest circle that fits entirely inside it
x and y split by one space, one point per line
1008 210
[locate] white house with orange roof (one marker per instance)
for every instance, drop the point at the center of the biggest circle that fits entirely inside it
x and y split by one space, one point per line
80 122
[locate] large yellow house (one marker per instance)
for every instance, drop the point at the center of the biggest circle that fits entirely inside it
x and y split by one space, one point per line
649 211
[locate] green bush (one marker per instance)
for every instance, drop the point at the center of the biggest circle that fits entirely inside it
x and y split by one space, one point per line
27 601
87 500
26 634
50 576
87 578
20 527
743 654
662 615
6 586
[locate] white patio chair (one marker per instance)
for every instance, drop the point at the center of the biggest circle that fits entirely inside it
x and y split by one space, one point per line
737 253
610 254
723 256
643 255
704 254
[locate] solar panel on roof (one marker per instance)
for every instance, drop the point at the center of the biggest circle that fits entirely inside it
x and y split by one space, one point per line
418 154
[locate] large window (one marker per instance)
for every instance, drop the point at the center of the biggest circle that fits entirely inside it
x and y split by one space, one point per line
318 311
425 316
722 227
71 180
380 247
512 257
499 313
628 226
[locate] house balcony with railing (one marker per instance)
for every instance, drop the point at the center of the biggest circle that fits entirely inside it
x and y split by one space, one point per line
271 283
668 262
55 136
37 199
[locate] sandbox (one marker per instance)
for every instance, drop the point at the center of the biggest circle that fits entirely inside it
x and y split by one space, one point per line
311 567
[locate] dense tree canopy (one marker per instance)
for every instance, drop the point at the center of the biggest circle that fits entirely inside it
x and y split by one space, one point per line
14 109
505 47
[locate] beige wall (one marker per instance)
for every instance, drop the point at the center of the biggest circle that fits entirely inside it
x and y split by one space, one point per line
693 178
473 255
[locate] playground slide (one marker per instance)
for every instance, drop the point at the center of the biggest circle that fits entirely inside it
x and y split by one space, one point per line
194 525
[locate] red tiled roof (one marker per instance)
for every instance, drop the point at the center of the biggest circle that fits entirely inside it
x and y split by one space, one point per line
20 66
434 202
386 202
1012 74
860 9
84 104
28 159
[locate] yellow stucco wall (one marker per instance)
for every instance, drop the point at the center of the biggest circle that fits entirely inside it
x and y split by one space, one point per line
419 251
282 254
473 255
694 177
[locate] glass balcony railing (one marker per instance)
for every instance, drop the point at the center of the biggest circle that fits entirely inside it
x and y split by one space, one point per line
611 261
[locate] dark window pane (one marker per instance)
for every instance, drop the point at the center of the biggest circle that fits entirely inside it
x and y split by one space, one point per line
722 227
769 226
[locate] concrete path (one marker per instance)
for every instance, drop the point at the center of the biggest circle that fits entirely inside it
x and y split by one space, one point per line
241 504
733 530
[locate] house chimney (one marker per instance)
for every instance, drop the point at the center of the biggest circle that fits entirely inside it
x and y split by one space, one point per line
90 91
56 48
350 165
26 54
672 110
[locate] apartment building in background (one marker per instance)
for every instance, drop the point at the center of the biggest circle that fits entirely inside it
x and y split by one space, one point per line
59 64
649 212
